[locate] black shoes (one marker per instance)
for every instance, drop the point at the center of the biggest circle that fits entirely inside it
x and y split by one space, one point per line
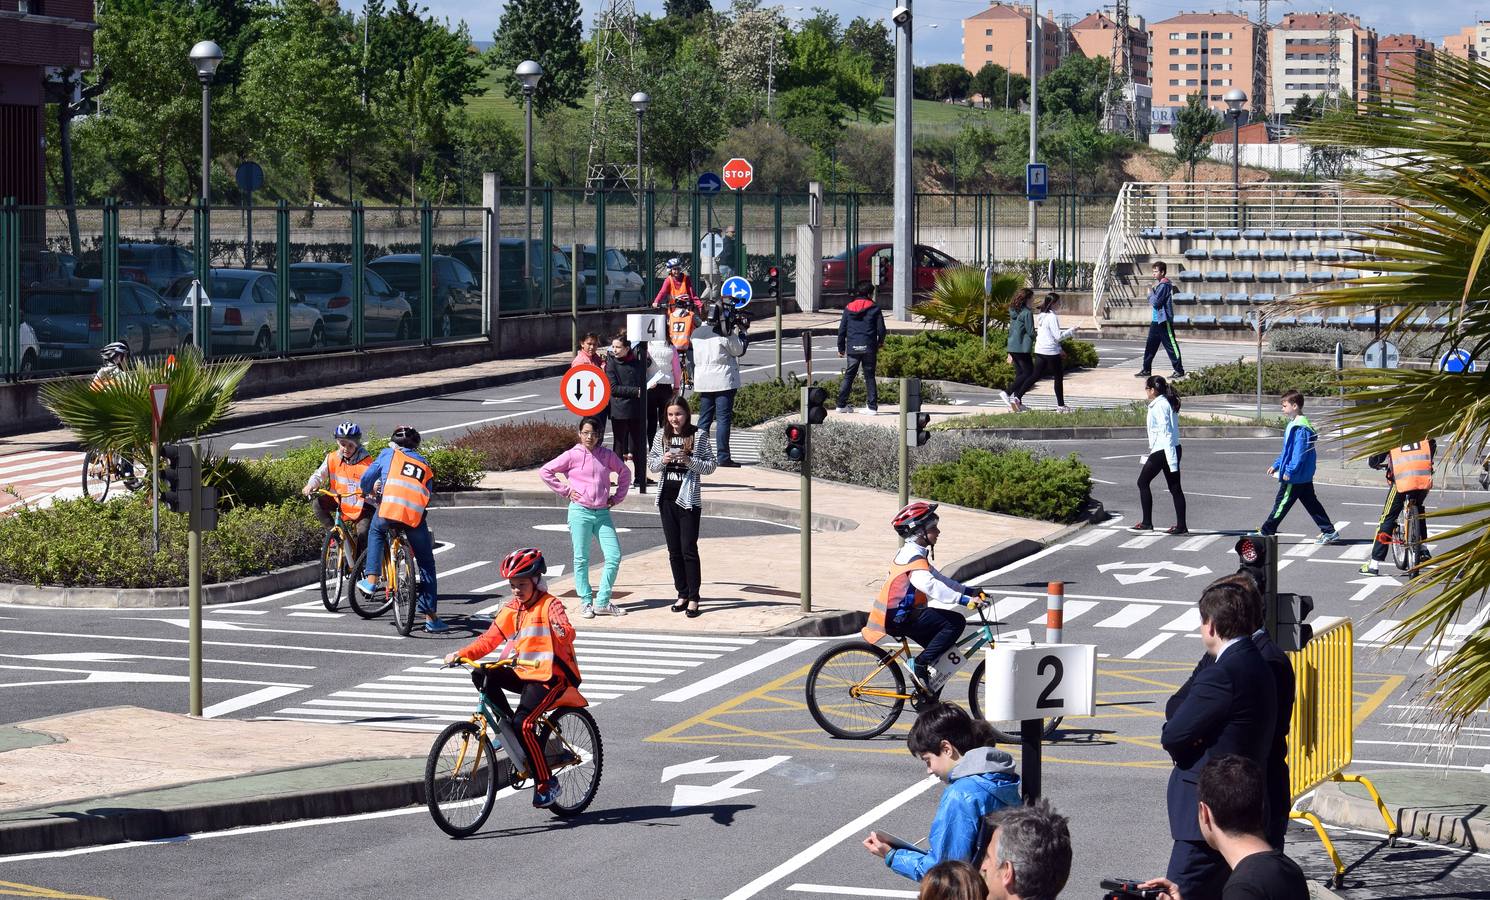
1143 373
1176 529
729 464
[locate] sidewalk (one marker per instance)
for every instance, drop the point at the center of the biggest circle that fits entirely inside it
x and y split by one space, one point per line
1442 806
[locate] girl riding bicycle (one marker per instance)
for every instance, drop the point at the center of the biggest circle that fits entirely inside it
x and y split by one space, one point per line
533 628
1409 471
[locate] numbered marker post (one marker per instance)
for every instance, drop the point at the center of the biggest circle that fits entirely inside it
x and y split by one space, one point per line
1032 683
641 328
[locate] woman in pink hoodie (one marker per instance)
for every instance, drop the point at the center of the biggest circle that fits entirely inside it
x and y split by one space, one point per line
586 469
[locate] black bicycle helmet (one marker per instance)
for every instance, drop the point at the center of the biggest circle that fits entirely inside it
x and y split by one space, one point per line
406 436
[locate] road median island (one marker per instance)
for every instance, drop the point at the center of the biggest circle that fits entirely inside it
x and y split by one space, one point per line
1444 807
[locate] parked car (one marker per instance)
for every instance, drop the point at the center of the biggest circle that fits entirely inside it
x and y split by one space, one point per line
158 265
386 314
511 295
30 352
244 313
40 267
929 261
455 295
68 327
623 284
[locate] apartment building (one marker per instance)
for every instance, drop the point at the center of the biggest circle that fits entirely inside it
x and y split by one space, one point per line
999 35
1094 35
40 45
1472 42
1397 59
1299 58
1200 53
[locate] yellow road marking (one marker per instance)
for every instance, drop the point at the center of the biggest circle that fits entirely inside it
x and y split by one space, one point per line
1373 700
15 889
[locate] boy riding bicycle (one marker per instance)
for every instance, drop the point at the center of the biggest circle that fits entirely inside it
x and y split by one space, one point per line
405 477
917 601
341 472
1409 471
533 628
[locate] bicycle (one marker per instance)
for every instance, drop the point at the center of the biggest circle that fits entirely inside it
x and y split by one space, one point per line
1407 546
338 562
865 683
101 468
400 587
464 773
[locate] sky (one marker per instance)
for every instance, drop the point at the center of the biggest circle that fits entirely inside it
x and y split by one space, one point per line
938 30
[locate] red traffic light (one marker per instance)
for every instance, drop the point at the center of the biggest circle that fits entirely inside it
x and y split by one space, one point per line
1246 549
772 272
795 433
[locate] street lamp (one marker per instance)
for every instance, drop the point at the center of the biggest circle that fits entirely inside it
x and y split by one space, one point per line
1236 98
528 74
205 57
639 102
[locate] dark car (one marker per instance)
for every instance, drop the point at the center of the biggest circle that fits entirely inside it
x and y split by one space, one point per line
455 295
929 261
69 326
510 262
328 287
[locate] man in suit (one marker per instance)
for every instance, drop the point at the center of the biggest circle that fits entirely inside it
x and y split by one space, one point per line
1228 705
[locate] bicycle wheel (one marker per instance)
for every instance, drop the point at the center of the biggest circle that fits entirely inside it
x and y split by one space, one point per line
403 588
851 668
98 474
1412 529
1004 731
366 607
571 744
333 567
460 783
1401 550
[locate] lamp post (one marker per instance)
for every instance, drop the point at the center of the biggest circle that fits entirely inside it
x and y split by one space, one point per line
905 186
639 102
205 57
528 74
1236 98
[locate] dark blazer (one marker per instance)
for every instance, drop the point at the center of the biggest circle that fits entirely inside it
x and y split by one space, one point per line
1229 706
1276 775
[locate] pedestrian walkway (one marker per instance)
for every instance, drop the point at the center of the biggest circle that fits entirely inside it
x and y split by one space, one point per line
36 477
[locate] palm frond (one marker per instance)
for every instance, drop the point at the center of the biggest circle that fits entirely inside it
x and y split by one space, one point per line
958 301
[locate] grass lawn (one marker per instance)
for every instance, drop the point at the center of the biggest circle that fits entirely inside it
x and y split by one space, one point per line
492 101
1135 415
933 115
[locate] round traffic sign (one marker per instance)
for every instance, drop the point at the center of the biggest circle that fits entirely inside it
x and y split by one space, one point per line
1382 354
738 290
585 390
249 175
709 183
738 173
1456 361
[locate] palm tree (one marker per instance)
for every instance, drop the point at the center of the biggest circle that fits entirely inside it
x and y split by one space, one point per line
959 302
1432 263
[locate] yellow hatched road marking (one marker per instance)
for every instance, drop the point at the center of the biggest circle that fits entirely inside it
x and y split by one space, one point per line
15 889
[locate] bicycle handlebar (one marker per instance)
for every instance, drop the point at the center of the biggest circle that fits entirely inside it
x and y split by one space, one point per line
327 493
509 663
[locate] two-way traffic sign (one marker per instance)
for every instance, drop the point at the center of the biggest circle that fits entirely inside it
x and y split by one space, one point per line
585 390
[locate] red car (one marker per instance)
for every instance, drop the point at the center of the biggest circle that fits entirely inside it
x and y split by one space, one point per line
929 261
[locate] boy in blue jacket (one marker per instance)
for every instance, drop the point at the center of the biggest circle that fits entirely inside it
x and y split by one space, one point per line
980 779
1294 469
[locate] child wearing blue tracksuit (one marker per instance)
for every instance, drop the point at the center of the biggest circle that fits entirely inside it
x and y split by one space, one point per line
1294 469
980 779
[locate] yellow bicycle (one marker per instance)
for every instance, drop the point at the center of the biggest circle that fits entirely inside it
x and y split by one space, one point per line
400 585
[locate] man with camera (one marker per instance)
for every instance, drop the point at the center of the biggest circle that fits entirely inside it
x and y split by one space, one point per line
718 342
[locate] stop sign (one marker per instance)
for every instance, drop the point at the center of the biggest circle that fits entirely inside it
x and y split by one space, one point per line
738 173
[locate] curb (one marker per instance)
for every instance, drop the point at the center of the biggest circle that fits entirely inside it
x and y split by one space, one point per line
767 512
250 588
1455 826
1370 478
1116 432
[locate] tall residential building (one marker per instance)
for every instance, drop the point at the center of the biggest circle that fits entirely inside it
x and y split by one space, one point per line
43 43
1000 35
1397 59
1299 56
1094 35
1201 53
1472 42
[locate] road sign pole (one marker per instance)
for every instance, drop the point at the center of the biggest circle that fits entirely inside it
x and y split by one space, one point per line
155 491
194 583
778 338
806 491
574 289
905 450
1029 758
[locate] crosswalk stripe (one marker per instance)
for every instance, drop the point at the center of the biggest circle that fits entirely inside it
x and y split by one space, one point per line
1189 620
1199 542
1379 631
1149 645
1005 607
1073 608
1357 552
1140 541
1303 550
1130 614
1088 537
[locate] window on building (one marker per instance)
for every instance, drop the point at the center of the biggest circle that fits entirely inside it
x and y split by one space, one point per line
1174 51
1215 97
1174 35
1220 36
1191 51
1190 36
1174 67
1174 82
1174 98
988 48
1191 82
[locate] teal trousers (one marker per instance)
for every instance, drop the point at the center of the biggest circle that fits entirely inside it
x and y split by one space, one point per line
586 525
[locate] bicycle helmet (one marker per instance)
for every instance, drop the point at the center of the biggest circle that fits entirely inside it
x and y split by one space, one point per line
525 563
406 436
914 519
349 430
674 263
115 351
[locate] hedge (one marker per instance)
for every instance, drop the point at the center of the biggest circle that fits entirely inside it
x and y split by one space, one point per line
954 356
1240 377
517 445
763 401
274 479
1322 339
1016 482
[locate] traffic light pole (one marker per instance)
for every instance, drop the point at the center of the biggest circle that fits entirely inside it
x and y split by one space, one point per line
905 450
806 491
194 584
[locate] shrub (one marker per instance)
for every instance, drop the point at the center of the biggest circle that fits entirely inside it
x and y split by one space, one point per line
275 479
958 301
80 543
763 401
1240 377
955 356
1315 339
516 445
1015 482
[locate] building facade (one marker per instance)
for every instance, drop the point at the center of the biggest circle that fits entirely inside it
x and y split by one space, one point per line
1000 35
1300 59
1200 53
1094 36
1472 42
43 45
1397 60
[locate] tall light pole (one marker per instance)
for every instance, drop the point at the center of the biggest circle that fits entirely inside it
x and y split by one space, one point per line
905 189
1036 33
528 74
639 102
1236 98
205 57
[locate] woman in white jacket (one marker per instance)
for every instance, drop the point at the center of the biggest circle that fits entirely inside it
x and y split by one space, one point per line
1048 337
1163 455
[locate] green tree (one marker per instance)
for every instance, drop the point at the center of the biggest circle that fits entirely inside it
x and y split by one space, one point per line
549 32
1078 84
813 114
686 9
812 62
686 118
946 81
856 85
825 25
484 143
871 38
1193 128
750 49
1328 161
1304 110
1076 144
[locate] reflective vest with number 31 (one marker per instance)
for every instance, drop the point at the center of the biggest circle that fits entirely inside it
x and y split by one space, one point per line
406 490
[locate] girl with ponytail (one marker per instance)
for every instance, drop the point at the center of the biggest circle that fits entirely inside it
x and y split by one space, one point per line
1163 455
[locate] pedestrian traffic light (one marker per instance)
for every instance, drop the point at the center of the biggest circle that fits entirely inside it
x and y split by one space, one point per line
796 442
881 269
1256 554
817 406
1293 632
178 476
773 281
206 509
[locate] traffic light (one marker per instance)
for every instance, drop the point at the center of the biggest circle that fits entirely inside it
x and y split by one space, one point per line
881 269
1283 613
796 442
178 477
773 282
1293 632
817 406
916 422
207 509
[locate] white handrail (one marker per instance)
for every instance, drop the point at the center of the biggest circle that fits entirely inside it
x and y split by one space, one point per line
1101 272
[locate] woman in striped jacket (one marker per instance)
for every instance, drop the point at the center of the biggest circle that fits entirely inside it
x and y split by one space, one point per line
682 453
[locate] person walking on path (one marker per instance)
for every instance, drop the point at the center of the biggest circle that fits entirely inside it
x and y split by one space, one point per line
1294 469
1161 324
682 453
727 249
1164 455
1049 358
1021 345
590 354
586 469
716 378
861 334
627 375
659 384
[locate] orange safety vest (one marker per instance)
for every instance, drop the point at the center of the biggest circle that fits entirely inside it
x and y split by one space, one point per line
1412 467
346 479
535 638
899 594
678 287
406 490
680 324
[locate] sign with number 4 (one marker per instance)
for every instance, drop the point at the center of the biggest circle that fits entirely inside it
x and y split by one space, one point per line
1042 681
641 327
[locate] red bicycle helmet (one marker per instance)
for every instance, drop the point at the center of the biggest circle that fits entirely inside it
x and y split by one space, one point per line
914 518
525 563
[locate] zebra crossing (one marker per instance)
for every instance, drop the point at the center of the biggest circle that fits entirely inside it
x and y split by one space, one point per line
36 477
427 696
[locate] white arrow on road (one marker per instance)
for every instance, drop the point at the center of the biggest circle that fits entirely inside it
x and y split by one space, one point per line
699 795
1372 583
1148 571
491 401
262 445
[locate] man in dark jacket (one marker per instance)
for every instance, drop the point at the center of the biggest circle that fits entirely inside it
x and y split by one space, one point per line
1227 706
627 374
861 333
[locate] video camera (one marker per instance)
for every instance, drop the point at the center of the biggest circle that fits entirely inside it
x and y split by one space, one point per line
724 317
1126 889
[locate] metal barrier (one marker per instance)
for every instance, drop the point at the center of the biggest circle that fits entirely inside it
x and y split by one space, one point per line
1321 737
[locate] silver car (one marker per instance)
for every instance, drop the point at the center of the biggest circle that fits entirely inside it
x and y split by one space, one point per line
386 314
623 285
244 314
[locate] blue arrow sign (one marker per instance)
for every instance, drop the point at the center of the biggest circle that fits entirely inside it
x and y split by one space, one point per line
738 290
1457 361
709 183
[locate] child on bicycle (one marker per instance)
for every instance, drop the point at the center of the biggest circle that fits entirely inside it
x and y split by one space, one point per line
533 628
676 289
1409 471
917 601
341 472
980 779
115 358
405 478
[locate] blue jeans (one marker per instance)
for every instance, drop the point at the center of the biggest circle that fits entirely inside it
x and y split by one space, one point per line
723 403
423 545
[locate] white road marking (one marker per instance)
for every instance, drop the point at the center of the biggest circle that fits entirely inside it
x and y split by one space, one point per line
465 568
736 672
492 419
1088 537
1379 632
1141 541
1221 496
1189 620
242 612
1199 542
1005 607
1357 552
157 640
845 891
252 698
1128 615
989 576
1073 608
1150 645
1303 550
320 615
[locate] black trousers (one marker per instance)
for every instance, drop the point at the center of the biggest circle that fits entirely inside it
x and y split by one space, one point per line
1162 333
534 698
625 437
1197 870
1396 500
1024 373
680 527
657 398
323 507
936 630
1288 492
850 370
1156 463
1050 364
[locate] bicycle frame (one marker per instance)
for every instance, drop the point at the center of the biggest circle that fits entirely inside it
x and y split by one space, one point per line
962 654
